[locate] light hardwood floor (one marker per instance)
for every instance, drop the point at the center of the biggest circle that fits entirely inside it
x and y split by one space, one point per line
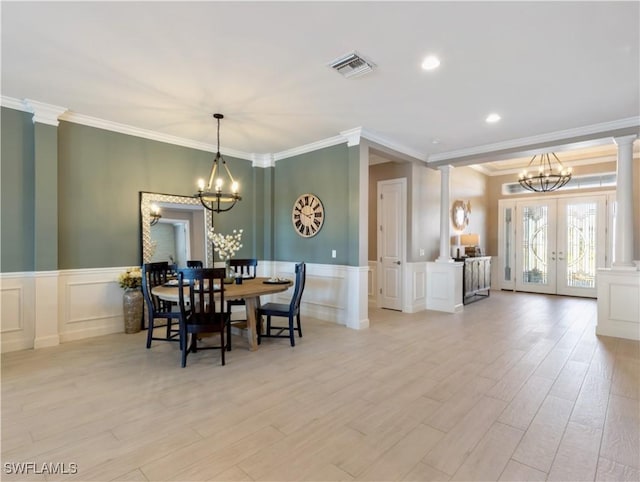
517 387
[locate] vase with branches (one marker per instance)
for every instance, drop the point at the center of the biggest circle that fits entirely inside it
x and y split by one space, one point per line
226 245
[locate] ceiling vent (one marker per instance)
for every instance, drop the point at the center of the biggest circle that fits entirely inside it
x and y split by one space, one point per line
352 65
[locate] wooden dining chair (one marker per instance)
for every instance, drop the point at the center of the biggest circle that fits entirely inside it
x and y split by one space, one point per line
290 311
247 269
194 263
157 274
202 309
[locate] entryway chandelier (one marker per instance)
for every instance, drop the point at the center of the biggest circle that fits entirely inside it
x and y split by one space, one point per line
216 199
546 179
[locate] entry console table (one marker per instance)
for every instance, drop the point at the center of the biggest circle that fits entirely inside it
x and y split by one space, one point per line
476 278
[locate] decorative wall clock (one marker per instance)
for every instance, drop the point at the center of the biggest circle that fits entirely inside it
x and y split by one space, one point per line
307 215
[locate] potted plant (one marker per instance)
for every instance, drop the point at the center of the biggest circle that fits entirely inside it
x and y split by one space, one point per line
132 299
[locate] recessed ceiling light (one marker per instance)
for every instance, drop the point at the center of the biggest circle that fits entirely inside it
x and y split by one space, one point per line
491 118
431 62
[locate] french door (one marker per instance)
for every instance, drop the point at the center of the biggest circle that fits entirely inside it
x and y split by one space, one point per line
554 246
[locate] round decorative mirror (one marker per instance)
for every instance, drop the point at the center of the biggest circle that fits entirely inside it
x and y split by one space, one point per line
460 214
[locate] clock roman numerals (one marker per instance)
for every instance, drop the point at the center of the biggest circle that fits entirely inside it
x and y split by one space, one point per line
307 215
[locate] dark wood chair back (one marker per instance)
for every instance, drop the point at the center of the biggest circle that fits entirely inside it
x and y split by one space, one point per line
157 274
245 267
201 304
301 279
290 311
195 263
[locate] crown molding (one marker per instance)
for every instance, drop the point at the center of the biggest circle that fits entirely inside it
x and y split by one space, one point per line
605 128
352 136
313 146
13 103
370 136
44 113
483 170
149 134
263 160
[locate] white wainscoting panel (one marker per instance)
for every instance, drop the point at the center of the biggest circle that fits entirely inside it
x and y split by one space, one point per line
415 288
372 283
444 287
618 303
12 319
17 318
90 303
330 292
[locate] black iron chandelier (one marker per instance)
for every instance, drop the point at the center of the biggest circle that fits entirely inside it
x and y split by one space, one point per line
211 195
546 179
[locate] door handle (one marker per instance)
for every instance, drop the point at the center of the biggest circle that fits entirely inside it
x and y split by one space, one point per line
398 262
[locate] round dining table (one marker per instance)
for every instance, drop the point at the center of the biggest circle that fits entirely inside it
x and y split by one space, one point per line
250 290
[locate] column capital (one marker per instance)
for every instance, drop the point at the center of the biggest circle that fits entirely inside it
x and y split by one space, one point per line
44 113
445 168
625 139
352 136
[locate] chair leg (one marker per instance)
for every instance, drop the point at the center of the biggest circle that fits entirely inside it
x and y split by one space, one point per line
168 328
223 347
292 333
299 326
259 328
228 329
184 349
149 332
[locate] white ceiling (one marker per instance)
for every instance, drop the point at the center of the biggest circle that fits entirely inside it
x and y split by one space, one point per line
167 66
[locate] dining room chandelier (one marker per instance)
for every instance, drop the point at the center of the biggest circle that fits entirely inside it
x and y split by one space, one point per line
213 195
546 179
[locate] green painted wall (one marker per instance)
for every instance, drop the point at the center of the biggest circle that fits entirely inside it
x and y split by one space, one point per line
100 174
17 192
325 173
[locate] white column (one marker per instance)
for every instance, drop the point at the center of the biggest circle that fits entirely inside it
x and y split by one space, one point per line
445 188
623 256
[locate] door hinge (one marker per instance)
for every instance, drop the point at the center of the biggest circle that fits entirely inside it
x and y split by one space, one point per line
380 290
381 196
381 259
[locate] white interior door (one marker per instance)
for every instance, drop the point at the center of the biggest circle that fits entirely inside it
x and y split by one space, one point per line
391 241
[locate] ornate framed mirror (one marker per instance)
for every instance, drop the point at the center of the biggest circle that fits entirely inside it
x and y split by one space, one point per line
187 212
460 214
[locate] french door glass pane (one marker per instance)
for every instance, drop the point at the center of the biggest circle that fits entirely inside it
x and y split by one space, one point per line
535 243
507 244
581 245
